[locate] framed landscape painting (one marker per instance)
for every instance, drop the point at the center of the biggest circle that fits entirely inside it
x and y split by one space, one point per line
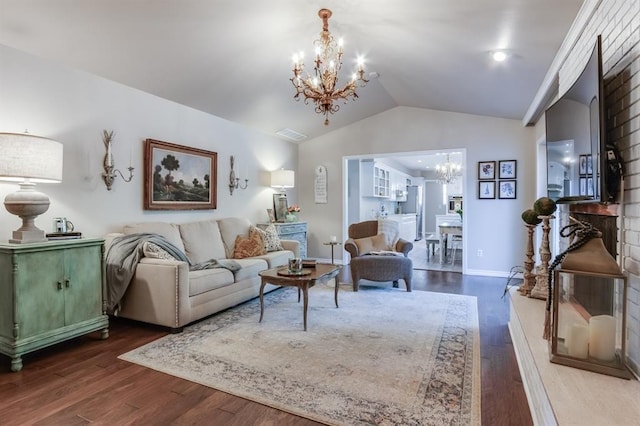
178 177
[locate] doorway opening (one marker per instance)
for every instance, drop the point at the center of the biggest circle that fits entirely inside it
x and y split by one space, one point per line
402 178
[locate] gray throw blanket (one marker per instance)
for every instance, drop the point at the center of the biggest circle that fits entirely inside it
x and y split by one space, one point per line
125 252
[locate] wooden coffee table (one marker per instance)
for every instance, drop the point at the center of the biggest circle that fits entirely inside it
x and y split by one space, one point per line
320 274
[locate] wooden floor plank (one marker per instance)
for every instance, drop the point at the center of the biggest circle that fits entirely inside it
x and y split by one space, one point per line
82 381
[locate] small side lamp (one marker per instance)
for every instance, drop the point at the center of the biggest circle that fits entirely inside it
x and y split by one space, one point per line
28 160
282 179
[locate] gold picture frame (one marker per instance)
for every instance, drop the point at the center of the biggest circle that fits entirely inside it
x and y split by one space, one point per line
178 177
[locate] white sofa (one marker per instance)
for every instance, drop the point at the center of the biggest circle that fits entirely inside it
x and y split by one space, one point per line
166 293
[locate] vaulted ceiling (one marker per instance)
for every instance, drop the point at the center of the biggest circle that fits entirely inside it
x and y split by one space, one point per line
233 58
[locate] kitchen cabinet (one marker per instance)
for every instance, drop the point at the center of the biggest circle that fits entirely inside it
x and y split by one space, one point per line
407 224
50 292
375 179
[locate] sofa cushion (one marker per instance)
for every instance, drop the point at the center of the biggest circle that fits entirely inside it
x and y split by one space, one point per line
270 238
250 268
369 244
277 258
202 240
168 230
209 279
230 228
249 246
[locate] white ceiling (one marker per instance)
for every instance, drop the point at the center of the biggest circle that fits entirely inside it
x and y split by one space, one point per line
233 58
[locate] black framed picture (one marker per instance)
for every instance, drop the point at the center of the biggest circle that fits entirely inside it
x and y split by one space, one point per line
487 190
507 189
582 166
486 170
507 169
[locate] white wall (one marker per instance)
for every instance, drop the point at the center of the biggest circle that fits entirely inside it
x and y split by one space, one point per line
74 107
493 226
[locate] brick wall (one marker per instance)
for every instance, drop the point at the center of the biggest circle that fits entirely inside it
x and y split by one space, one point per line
618 22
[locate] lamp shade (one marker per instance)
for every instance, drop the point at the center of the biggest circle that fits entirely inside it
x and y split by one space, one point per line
25 156
282 178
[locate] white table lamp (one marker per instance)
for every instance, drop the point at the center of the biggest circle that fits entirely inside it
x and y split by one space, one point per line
28 160
282 179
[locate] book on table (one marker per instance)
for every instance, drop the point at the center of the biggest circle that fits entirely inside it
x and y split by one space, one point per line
308 263
64 235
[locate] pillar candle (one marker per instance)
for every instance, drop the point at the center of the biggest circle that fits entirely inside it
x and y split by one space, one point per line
333 238
578 341
602 337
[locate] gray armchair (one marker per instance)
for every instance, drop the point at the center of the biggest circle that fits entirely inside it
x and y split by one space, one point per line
393 265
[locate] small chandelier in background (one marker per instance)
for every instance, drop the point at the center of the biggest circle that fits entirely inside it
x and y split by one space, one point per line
448 172
321 87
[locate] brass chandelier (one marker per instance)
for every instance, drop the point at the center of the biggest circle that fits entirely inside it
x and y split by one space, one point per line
321 87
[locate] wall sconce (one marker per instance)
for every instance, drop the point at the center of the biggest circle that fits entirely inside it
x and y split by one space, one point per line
109 169
234 182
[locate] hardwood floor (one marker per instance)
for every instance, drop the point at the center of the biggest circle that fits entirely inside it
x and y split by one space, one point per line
82 381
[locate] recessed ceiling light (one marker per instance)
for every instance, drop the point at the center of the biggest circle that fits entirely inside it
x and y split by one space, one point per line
499 55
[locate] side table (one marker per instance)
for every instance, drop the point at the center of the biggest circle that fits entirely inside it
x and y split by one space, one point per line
332 244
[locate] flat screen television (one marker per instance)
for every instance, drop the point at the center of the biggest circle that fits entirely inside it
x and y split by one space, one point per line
576 140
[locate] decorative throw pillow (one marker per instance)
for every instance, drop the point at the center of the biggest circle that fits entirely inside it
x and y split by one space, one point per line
369 244
270 238
248 246
155 251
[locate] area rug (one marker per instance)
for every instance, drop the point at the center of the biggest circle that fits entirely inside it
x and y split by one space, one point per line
384 357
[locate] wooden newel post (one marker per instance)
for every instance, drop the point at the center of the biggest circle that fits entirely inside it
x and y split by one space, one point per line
529 276
541 288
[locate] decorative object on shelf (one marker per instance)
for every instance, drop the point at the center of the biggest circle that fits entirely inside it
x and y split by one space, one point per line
62 224
28 160
486 170
544 207
280 207
292 213
197 187
448 172
271 215
582 334
531 220
110 171
321 88
282 179
541 288
234 181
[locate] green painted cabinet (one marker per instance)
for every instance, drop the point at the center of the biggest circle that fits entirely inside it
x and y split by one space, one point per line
50 292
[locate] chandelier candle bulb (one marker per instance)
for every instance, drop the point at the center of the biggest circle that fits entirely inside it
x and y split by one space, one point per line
602 337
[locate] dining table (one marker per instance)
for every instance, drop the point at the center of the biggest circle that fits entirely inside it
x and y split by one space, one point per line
445 229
